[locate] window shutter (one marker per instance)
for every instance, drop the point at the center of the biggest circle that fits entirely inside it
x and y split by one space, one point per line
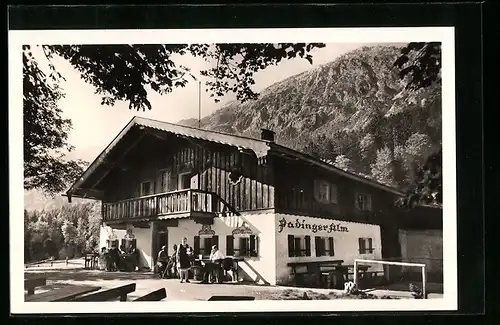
291 246
369 202
370 245
229 245
316 190
333 193
331 246
317 242
361 245
253 245
215 241
308 245
196 245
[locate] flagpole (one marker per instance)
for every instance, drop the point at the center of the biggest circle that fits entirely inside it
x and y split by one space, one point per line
199 104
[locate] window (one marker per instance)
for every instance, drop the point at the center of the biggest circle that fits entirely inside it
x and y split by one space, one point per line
184 181
325 192
363 202
244 246
166 176
299 246
111 243
203 244
146 188
324 246
366 246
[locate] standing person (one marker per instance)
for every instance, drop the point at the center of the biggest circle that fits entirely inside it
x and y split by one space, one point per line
213 269
173 263
183 260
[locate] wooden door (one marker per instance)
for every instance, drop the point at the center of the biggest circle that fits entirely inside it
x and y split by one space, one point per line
184 181
161 239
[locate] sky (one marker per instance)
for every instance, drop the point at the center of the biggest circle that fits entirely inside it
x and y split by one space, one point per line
95 125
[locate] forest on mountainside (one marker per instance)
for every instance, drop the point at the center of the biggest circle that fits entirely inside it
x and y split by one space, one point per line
353 112
61 231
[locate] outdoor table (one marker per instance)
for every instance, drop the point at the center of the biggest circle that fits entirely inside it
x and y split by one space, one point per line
91 261
66 293
314 267
361 269
208 262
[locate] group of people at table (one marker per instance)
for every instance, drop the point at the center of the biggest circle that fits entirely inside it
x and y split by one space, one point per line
180 263
115 259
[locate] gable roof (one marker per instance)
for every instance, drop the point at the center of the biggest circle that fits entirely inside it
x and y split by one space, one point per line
260 147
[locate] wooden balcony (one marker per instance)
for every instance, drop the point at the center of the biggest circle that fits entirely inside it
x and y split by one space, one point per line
188 202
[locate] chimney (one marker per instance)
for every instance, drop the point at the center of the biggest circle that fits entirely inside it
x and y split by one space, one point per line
267 135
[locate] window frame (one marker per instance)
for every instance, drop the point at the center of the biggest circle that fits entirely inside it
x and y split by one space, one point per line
205 251
367 202
330 188
303 251
165 184
327 249
368 247
247 251
151 187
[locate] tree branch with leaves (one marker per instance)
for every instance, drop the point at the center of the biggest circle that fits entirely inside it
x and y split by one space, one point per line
45 130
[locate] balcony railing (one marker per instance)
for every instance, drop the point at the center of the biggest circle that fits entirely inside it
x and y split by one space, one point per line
183 201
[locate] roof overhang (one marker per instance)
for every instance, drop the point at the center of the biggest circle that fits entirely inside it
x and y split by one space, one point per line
330 168
80 189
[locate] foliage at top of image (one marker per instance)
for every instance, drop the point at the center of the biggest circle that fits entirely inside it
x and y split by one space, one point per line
125 72
422 63
45 130
355 113
128 72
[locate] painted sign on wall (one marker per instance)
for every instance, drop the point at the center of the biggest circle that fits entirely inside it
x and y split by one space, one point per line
298 224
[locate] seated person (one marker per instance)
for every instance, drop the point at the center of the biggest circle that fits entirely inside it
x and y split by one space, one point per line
103 259
162 260
213 268
114 259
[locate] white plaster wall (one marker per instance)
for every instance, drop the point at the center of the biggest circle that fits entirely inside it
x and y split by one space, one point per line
262 268
346 245
422 246
109 233
143 238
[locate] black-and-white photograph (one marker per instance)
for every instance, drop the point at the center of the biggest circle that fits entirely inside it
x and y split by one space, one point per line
181 168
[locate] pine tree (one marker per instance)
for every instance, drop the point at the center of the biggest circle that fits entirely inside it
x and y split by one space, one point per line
343 162
382 169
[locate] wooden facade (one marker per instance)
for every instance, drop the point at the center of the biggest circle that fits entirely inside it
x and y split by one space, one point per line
176 175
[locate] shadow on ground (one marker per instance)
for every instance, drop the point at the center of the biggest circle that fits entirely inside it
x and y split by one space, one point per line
97 275
89 275
404 286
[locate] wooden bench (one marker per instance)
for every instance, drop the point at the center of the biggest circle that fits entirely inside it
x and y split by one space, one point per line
230 298
154 296
109 294
314 267
67 293
31 283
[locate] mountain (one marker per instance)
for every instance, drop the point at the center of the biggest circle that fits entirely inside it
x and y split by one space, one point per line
37 200
354 107
352 112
